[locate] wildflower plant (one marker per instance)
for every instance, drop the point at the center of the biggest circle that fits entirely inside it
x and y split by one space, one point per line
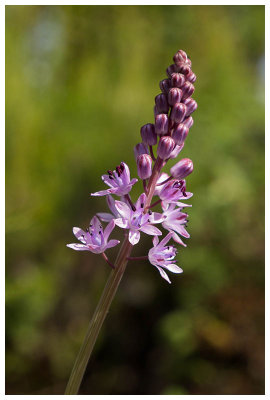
173 120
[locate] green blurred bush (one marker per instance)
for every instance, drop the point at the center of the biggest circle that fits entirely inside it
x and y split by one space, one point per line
80 82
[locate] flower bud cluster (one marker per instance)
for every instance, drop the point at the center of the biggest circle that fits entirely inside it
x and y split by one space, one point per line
172 112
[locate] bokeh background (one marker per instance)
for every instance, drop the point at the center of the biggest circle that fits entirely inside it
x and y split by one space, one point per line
80 82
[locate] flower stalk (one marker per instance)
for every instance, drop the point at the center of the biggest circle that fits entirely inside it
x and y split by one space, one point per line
172 122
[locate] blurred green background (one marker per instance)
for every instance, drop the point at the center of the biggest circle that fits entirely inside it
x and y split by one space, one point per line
80 82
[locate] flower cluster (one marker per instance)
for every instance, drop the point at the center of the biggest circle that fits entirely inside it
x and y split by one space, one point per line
172 113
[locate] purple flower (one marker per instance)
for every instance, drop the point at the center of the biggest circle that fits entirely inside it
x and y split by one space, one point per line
173 191
94 239
174 220
118 180
162 256
135 221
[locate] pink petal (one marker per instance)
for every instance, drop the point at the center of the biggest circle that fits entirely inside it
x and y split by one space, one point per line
165 240
108 230
111 204
104 192
177 239
122 223
156 218
155 241
126 173
134 237
123 209
188 196
95 224
78 246
112 243
110 182
163 274
106 217
177 228
79 233
173 268
151 230
182 205
133 181
141 201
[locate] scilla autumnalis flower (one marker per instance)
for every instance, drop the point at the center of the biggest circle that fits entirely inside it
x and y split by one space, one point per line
159 209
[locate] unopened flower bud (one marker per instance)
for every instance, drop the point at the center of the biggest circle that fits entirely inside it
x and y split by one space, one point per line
178 112
148 134
177 80
180 133
183 68
162 103
165 85
156 110
176 150
139 149
188 122
191 77
180 57
191 105
182 169
161 124
188 90
171 69
174 96
165 147
144 166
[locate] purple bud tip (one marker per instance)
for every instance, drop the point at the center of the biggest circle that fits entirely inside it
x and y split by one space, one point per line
191 77
162 103
171 69
180 57
148 134
182 169
178 112
165 85
174 96
139 149
188 90
180 133
183 68
176 150
177 80
144 166
191 106
188 122
165 147
161 124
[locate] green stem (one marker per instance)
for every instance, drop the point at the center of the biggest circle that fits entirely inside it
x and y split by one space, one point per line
98 318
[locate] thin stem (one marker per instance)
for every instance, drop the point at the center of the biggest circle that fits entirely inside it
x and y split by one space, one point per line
155 203
144 185
108 261
152 153
137 258
127 196
98 319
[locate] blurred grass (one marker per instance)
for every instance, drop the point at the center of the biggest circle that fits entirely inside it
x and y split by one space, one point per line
80 82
